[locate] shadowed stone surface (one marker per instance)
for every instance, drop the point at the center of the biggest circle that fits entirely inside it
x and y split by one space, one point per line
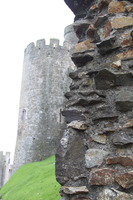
124 101
80 59
72 115
102 92
107 45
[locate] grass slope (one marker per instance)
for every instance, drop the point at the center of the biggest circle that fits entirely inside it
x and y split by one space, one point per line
34 181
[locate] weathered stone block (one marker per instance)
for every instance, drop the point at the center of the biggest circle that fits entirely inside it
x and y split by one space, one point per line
70 159
72 115
80 59
105 31
107 45
100 20
103 176
105 80
99 138
117 7
68 95
85 102
112 194
87 82
125 179
129 124
106 115
79 125
106 194
125 39
95 157
74 86
122 195
127 55
74 190
123 138
74 75
122 160
121 22
124 79
93 93
124 100
85 45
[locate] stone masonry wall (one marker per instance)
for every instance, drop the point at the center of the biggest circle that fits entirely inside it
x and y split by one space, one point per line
5 167
44 83
94 160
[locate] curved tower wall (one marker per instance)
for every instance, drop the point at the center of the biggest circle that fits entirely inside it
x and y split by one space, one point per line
70 36
5 167
44 82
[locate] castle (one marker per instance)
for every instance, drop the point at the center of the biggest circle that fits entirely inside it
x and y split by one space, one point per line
94 158
45 81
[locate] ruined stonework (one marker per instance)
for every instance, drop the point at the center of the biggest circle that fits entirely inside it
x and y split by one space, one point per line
5 167
94 160
45 81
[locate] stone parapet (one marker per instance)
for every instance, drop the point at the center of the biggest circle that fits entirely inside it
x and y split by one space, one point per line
41 45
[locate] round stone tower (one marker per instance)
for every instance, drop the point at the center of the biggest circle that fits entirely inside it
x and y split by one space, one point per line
44 83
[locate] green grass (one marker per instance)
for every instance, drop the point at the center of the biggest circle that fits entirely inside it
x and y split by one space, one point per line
34 181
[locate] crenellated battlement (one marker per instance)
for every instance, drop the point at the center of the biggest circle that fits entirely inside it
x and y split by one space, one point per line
55 43
41 44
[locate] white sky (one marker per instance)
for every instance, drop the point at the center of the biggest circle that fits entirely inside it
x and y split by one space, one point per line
23 22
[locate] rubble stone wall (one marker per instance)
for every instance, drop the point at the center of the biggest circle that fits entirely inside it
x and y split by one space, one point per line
94 160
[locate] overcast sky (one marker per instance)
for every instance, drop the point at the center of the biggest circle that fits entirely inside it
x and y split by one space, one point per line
23 22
